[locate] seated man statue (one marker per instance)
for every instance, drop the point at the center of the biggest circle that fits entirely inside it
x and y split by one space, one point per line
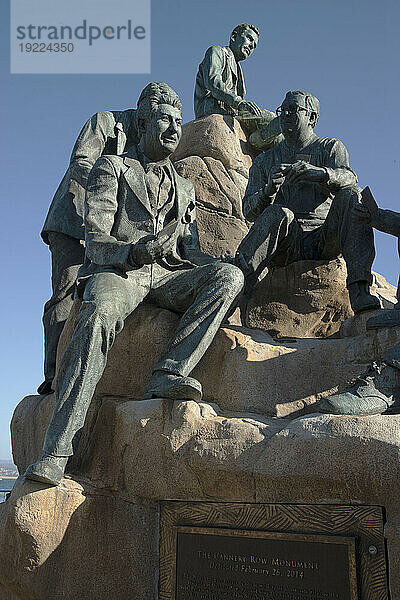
376 391
300 196
220 87
108 132
141 242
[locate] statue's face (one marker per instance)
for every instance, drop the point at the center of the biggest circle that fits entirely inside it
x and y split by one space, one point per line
162 132
243 44
294 117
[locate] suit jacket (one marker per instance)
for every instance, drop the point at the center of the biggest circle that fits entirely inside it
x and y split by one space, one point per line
108 132
118 214
219 83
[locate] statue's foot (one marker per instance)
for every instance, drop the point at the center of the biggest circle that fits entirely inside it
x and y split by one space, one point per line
370 394
48 469
361 298
173 387
387 318
45 387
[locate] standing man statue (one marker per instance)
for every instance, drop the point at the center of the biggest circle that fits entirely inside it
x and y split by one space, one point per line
107 132
377 390
300 196
220 87
141 242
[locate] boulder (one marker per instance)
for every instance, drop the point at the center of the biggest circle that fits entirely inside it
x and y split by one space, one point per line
215 187
219 233
220 137
307 299
215 156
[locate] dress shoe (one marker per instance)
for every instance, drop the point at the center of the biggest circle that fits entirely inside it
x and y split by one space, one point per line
361 298
386 318
371 394
173 387
48 469
45 387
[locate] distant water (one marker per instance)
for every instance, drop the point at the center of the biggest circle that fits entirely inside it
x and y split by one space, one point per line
6 484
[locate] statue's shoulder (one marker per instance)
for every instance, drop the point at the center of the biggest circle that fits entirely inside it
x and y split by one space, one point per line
328 142
116 161
215 51
106 116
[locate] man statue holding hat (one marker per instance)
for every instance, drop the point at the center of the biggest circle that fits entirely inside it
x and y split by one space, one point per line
220 87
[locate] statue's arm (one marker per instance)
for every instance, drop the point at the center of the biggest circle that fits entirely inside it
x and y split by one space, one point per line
337 167
212 68
387 221
89 146
101 205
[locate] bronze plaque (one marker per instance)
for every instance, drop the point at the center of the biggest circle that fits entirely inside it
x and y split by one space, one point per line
263 565
236 550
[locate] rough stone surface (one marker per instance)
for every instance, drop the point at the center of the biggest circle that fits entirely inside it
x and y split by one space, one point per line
307 299
219 203
219 234
73 542
214 155
157 450
214 186
220 137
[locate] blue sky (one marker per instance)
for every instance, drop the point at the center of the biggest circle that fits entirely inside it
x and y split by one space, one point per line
345 52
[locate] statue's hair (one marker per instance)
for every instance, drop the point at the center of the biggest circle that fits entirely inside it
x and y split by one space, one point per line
242 27
310 101
152 95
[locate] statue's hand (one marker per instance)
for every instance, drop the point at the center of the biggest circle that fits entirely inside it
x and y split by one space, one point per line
302 170
152 248
276 178
250 107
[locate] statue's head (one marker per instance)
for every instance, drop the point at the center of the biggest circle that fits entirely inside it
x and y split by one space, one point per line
299 112
244 39
159 120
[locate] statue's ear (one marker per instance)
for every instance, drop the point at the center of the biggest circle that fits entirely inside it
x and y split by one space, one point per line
313 119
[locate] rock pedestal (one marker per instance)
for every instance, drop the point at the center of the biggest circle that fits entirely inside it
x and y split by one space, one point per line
96 535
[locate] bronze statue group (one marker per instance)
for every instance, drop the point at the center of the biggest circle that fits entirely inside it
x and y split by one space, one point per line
122 228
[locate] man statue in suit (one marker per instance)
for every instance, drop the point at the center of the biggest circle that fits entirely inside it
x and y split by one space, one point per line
108 132
301 196
141 242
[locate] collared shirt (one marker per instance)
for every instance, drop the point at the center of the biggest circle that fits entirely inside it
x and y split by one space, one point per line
160 189
309 201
